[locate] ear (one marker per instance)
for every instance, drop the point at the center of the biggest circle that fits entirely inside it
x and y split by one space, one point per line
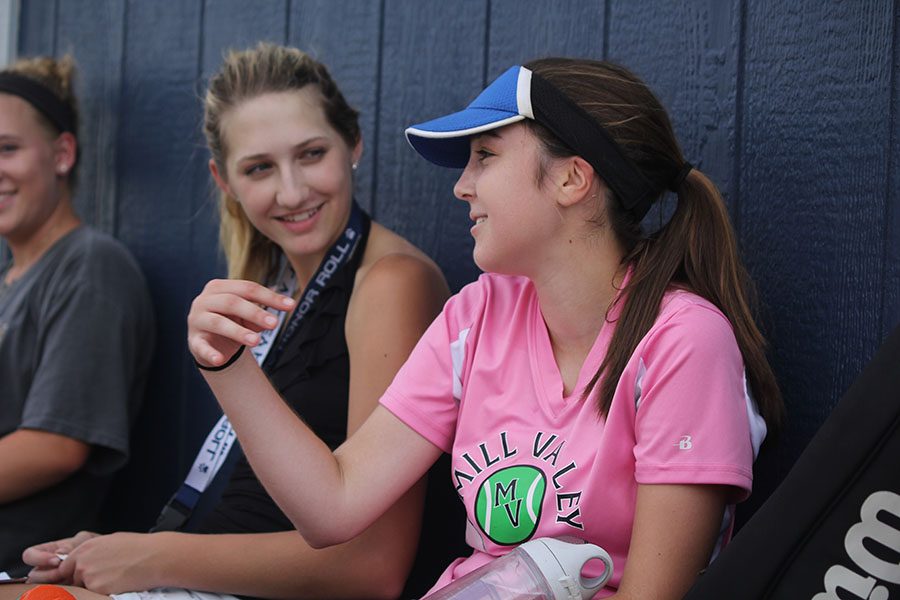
357 151
219 178
65 152
577 178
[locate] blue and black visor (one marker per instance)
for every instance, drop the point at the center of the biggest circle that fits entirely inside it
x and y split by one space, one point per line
521 94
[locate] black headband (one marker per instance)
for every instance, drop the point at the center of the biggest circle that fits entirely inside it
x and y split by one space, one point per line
41 97
680 176
586 138
578 130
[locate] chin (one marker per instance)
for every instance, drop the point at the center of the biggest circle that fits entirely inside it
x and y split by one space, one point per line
487 263
306 248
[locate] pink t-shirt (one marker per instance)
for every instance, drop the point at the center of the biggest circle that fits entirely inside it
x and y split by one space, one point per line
528 462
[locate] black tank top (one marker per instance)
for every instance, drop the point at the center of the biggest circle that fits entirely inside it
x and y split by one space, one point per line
313 376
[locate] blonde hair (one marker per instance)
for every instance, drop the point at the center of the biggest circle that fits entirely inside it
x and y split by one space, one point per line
57 75
245 75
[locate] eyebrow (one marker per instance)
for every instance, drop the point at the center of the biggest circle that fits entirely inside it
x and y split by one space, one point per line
492 133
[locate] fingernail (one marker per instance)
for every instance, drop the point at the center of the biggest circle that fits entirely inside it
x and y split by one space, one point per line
271 321
287 301
251 338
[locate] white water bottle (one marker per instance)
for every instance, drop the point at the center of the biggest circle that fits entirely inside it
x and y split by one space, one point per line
539 569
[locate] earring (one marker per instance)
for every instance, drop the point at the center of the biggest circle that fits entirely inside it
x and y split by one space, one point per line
354 165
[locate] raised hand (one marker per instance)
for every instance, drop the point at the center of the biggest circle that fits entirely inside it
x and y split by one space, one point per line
228 314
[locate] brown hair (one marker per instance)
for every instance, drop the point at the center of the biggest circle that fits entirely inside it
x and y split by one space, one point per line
696 250
57 75
245 75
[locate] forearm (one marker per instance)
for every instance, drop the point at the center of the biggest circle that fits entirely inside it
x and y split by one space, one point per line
32 460
287 468
674 532
282 565
329 497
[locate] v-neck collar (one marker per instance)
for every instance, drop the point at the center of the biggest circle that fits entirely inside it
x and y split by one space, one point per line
544 370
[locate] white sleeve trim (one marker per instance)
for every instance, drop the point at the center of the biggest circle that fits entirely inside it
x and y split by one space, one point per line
638 381
758 427
457 356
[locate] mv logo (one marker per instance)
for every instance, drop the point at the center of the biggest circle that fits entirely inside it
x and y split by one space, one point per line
508 504
873 545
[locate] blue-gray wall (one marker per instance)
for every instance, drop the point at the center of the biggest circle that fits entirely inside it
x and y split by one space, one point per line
791 107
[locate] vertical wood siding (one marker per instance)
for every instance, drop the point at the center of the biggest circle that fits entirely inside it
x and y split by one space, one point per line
890 311
813 174
432 62
791 107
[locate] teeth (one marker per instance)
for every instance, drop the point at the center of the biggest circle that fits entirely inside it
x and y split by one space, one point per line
300 216
480 220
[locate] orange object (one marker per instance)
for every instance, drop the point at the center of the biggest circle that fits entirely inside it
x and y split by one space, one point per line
47 592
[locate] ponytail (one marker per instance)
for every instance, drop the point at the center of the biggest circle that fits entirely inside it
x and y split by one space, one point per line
696 251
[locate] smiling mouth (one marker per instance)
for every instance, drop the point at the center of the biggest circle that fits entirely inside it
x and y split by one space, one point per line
480 220
301 216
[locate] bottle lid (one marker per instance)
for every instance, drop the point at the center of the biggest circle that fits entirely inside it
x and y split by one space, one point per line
46 591
561 564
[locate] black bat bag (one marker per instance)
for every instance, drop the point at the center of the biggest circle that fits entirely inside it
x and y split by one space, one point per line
831 530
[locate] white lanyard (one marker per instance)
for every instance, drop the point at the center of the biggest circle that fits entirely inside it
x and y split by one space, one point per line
220 440
215 449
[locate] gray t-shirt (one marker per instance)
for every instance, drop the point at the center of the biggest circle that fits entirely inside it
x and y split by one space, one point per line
76 338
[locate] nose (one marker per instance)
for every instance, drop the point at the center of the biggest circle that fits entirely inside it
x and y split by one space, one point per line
292 191
464 189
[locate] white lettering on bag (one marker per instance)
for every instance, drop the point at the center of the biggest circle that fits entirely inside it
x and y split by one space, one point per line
873 545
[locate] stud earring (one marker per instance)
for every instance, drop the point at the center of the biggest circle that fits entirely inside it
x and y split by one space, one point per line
354 165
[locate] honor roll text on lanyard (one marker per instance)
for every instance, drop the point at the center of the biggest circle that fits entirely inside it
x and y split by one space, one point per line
220 440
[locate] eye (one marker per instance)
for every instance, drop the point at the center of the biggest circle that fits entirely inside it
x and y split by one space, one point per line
8 148
256 168
313 154
483 153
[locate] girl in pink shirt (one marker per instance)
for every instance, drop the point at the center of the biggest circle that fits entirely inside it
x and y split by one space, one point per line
598 382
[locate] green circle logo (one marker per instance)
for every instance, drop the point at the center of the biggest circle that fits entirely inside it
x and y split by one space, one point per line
508 504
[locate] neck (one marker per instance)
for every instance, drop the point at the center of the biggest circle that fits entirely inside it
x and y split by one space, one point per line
306 265
28 250
576 291
304 268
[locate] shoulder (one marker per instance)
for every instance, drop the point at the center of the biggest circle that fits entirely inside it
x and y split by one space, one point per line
92 264
690 323
94 254
392 265
684 307
103 248
396 281
493 296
